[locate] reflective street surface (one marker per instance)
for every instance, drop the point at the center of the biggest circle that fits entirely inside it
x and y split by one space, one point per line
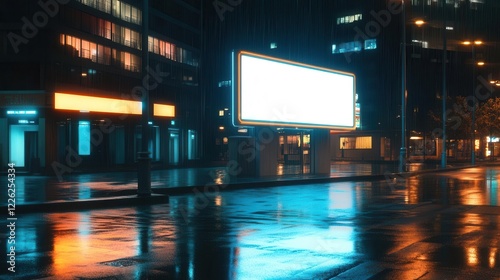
432 226
74 186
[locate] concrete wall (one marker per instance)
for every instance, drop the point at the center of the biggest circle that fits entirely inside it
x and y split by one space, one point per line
242 150
320 146
267 145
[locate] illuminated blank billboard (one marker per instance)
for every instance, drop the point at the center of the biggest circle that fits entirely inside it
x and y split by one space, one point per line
277 92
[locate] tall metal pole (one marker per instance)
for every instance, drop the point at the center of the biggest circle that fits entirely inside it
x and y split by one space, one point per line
402 151
473 125
443 152
143 160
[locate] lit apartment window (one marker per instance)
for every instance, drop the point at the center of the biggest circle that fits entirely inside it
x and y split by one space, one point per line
104 28
349 19
73 42
116 8
171 51
168 50
354 46
126 36
89 50
101 54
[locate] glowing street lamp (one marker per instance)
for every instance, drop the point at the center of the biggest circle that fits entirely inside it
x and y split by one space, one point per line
402 150
472 44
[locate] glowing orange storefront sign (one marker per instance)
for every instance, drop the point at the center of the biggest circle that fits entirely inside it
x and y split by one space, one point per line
84 103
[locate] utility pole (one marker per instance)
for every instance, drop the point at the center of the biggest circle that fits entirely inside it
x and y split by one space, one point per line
143 159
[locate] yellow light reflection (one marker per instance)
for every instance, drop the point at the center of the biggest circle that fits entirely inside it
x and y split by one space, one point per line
280 169
218 200
412 191
67 101
474 195
472 258
492 258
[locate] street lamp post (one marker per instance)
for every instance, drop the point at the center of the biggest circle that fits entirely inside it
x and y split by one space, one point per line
473 122
473 125
402 151
443 152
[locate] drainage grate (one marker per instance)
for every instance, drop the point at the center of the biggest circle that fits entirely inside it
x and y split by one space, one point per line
121 263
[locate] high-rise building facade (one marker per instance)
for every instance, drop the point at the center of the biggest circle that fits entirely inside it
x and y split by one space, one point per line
73 77
369 41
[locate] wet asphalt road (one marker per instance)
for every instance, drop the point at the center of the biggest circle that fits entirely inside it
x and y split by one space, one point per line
432 226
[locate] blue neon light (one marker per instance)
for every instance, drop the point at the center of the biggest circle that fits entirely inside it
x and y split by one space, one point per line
21 112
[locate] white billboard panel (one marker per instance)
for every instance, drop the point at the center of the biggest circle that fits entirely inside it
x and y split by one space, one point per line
277 92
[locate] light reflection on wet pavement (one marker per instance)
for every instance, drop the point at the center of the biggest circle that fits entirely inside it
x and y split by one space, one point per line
432 226
74 186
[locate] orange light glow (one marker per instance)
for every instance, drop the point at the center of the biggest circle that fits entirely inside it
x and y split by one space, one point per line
83 103
161 110
492 259
218 200
476 42
472 256
64 101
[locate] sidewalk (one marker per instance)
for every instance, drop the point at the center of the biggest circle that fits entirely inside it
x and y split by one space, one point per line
80 191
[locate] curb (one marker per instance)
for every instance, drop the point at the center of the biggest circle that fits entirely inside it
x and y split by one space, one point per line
247 185
209 187
91 204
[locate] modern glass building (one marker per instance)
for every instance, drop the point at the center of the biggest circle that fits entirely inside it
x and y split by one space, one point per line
368 40
72 78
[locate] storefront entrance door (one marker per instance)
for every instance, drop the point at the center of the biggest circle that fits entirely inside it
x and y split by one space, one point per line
294 154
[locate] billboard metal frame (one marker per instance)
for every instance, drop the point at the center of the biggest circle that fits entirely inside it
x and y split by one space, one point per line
237 91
